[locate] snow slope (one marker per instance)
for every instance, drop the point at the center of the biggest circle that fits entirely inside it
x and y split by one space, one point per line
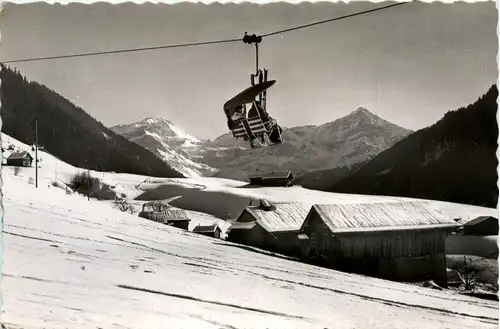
73 263
51 170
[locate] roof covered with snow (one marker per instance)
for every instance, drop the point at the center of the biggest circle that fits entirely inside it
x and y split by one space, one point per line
282 217
359 217
168 215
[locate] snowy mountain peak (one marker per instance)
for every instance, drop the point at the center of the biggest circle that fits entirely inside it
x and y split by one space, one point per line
362 117
168 142
154 120
159 126
362 113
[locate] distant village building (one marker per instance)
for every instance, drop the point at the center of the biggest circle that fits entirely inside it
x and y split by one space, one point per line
173 217
272 179
178 218
213 231
270 227
401 241
20 159
483 225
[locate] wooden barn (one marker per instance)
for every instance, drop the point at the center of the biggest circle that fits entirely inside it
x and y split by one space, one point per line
483 225
277 179
167 215
400 241
178 218
20 159
270 227
213 231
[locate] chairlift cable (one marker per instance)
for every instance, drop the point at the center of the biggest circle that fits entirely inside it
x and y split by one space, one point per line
199 43
334 19
122 51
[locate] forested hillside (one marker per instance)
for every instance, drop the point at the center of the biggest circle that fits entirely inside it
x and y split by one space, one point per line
453 160
68 132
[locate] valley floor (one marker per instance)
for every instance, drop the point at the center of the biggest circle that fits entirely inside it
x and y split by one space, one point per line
73 263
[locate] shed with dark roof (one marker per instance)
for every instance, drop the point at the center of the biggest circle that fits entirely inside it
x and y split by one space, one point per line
213 231
277 179
20 159
482 225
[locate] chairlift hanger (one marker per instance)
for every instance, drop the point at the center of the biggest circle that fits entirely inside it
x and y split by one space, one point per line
256 126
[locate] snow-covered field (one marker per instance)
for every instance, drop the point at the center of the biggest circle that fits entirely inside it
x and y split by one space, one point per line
306 196
73 263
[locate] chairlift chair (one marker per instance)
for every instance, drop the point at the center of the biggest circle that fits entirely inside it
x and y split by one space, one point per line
256 125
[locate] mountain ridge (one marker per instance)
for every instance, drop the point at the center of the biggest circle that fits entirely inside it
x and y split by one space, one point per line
345 141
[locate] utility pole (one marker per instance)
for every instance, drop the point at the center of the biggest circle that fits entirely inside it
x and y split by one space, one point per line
36 153
88 184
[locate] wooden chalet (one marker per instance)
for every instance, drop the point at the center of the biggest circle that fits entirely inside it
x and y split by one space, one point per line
20 159
277 179
401 241
213 231
482 226
270 227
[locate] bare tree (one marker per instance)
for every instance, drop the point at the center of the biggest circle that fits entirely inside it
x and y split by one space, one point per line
158 206
468 274
123 205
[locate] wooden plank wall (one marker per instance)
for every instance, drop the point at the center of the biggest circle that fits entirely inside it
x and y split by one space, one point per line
392 244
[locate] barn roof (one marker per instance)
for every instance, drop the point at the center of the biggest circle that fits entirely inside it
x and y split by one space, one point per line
176 214
358 217
169 215
478 220
19 155
283 216
206 228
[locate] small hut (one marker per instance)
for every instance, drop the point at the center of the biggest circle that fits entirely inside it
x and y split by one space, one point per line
276 179
213 231
164 213
482 226
20 159
401 241
270 227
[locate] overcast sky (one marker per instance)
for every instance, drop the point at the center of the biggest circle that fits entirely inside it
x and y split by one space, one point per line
409 64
